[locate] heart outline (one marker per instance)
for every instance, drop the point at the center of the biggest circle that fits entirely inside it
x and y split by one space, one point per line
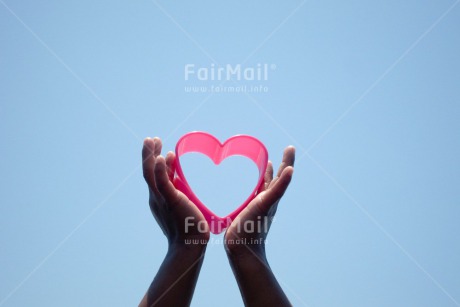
205 143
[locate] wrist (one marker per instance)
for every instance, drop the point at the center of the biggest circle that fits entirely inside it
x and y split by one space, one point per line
189 246
184 255
251 262
243 251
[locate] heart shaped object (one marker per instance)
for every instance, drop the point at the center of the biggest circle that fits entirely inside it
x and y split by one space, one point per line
207 144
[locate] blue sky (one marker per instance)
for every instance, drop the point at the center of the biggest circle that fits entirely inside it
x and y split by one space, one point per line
368 92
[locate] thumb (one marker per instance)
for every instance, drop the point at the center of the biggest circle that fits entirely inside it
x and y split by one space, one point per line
274 194
164 185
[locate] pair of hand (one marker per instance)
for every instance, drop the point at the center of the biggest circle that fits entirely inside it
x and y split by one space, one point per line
176 279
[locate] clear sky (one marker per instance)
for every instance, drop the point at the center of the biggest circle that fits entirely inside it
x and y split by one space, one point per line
367 91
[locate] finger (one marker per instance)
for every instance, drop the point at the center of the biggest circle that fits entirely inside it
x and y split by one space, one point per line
164 185
268 175
148 162
158 146
170 165
288 159
273 195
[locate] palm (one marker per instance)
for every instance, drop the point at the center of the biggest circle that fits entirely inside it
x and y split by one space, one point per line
259 213
170 207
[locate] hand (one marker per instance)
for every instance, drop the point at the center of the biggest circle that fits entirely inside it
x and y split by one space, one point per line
170 207
247 233
245 239
176 278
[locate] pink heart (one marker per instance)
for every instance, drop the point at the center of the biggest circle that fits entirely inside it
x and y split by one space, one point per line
207 144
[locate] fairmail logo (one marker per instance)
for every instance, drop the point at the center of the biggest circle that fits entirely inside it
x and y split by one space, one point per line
228 72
